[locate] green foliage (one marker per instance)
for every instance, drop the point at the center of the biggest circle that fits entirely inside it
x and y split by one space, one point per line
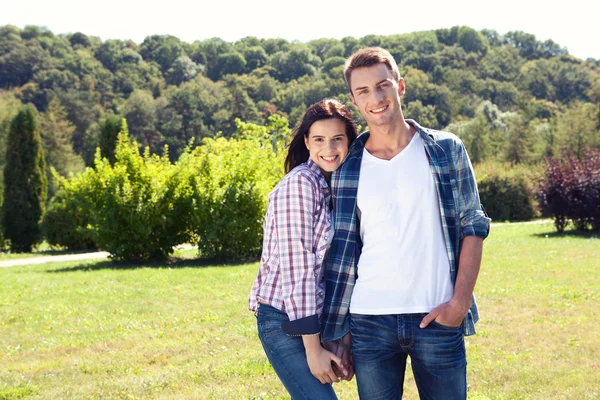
183 70
538 98
162 49
109 132
141 111
25 182
139 209
230 63
507 191
577 128
472 41
142 206
9 106
233 178
67 221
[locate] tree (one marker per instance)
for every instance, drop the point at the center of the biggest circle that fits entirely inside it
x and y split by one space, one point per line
472 41
140 112
521 141
228 63
164 50
183 70
25 182
577 128
56 132
109 133
255 57
298 62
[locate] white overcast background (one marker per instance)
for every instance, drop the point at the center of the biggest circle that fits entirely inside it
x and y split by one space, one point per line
572 24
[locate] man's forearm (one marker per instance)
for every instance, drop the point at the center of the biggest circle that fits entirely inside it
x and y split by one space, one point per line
469 262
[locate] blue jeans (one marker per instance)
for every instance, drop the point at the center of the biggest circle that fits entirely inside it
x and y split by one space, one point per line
381 344
288 357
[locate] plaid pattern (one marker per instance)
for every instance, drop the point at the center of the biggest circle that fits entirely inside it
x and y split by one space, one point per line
297 233
460 208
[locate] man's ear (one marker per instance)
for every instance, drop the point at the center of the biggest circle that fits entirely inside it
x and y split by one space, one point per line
354 101
401 87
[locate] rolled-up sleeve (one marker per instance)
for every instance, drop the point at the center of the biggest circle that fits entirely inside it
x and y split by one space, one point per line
473 219
294 208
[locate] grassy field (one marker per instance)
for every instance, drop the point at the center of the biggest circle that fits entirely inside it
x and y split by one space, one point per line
91 330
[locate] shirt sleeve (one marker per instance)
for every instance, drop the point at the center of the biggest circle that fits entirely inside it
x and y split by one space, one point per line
473 219
295 210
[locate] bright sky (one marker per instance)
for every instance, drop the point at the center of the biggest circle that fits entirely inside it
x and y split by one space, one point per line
572 24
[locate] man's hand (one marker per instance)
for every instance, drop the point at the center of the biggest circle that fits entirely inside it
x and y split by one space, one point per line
448 314
320 361
343 349
345 353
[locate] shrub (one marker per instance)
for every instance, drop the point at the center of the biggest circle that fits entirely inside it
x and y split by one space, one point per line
70 212
232 181
141 212
507 192
142 206
570 190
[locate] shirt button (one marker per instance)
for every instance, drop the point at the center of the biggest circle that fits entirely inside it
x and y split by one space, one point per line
326 237
320 256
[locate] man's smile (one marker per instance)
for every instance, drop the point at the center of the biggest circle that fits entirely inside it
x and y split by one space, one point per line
379 110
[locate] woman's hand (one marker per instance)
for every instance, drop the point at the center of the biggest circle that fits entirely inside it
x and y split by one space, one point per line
319 360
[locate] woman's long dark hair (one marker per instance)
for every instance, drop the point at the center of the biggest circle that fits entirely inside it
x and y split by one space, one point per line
324 109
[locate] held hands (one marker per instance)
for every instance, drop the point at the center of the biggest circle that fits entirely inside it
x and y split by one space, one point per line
343 349
449 314
320 362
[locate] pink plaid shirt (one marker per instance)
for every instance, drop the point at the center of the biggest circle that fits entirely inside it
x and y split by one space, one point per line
297 234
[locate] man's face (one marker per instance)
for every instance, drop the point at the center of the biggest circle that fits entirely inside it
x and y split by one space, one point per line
376 94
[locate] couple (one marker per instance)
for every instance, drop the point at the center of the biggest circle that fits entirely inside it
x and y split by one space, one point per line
382 266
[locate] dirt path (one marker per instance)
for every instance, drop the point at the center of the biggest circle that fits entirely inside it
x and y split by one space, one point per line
66 257
57 258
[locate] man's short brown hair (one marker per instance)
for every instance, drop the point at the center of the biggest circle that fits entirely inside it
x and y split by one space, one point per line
368 57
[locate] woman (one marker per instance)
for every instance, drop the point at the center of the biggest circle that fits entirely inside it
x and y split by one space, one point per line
288 293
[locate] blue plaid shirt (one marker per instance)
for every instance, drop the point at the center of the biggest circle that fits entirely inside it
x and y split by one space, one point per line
460 208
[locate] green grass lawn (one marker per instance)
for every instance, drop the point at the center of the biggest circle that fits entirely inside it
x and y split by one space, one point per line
91 330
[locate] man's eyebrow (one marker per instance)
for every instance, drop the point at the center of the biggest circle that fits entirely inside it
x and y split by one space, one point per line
365 87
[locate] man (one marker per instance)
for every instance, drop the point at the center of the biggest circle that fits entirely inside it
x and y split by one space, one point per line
409 229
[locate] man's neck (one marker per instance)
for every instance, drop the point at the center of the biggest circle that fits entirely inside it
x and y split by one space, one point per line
387 141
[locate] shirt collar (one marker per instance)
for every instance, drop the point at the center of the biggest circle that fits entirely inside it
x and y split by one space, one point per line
359 144
317 171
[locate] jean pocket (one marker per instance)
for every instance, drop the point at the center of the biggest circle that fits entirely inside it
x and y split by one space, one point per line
434 323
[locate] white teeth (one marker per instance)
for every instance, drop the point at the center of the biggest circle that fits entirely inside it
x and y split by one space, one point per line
378 109
329 158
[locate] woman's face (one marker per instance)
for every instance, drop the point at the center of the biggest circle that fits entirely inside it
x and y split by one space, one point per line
327 144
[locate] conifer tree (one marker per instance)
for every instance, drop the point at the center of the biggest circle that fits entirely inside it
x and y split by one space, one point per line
25 182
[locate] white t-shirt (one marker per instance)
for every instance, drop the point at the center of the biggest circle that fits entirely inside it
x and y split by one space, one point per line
403 267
